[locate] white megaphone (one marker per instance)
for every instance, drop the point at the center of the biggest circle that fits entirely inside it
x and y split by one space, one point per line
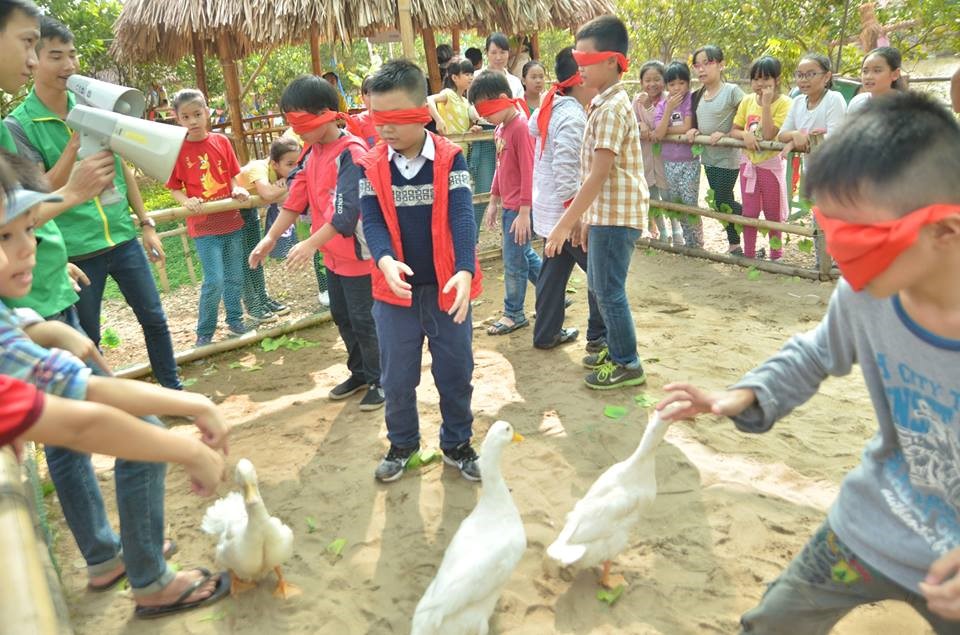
107 96
152 147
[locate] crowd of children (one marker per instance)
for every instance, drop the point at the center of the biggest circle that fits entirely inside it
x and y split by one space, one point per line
392 212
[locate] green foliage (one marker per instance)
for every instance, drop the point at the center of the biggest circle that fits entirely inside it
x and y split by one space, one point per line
805 245
610 596
753 274
614 412
110 339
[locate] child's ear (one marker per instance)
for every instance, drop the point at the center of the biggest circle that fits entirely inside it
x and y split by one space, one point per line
505 96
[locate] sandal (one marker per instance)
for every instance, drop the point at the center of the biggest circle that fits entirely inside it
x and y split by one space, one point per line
219 592
736 251
169 549
501 328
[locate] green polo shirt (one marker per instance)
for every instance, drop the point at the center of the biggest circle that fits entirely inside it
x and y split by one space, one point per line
90 227
52 290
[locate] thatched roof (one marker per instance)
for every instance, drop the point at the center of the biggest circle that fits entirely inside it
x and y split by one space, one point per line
162 30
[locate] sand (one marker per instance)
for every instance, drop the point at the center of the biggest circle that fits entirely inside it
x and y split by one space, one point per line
732 508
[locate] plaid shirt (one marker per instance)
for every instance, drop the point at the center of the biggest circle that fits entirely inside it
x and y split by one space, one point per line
624 198
53 371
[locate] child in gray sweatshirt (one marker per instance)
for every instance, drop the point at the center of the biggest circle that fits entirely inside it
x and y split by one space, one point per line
888 200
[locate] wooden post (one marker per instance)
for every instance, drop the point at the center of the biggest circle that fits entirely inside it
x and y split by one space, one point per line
433 65
232 81
201 69
187 257
405 23
535 46
456 42
315 49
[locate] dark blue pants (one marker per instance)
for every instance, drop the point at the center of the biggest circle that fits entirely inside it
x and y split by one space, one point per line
401 331
351 301
551 296
127 265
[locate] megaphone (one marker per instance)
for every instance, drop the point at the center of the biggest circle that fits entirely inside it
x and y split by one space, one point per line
152 147
106 96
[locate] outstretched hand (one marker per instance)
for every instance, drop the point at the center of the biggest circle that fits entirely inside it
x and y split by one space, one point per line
691 401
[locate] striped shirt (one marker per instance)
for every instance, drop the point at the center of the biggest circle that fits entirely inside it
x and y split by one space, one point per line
624 198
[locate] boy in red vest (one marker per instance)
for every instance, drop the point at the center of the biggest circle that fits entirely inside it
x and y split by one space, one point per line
328 182
417 209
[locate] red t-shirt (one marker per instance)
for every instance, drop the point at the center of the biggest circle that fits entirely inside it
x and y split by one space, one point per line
204 169
20 407
513 180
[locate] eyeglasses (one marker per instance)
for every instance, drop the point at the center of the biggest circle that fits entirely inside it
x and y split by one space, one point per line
700 67
809 75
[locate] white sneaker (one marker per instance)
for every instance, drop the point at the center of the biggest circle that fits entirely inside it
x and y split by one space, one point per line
324 298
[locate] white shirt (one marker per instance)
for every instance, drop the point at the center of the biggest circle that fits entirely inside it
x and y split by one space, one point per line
409 168
516 86
858 102
828 115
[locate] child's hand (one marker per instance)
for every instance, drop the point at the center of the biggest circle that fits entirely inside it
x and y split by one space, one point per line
691 134
460 282
55 334
768 95
214 428
801 141
693 401
716 136
490 217
642 100
750 141
787 149
259 253
239 193
392 270
206 471
941 588
441 126
674 101
77 277
476 128
193 204
300 256
520 227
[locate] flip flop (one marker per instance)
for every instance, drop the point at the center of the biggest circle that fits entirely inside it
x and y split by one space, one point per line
499 328
170 548
177 606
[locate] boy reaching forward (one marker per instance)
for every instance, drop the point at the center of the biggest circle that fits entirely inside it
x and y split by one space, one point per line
892 223
613 200
417 210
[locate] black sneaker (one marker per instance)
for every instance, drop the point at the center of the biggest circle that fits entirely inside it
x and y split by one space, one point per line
392 466
611 375
278 308
593 360
263 317
346 388
595 346
464 459
565 335
374 398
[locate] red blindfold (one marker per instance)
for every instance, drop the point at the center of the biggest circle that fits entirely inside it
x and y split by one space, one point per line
589 59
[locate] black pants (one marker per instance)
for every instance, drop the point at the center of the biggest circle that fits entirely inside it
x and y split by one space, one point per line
551 295
722 181
351 302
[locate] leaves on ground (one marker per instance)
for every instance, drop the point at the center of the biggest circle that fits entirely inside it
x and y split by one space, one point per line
216 616
189 382
110 339
753 274
644 400
805 245
335 548
311 524
270 344
614 412
421 458
246 369
610 596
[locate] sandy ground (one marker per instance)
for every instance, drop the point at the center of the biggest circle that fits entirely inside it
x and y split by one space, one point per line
732 511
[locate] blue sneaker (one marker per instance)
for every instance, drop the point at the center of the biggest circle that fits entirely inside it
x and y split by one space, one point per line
203 340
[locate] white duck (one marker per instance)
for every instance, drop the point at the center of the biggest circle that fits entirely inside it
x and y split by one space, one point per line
251 542
482 555
601 522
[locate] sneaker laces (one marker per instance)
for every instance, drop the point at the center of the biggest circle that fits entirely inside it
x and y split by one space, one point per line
605 370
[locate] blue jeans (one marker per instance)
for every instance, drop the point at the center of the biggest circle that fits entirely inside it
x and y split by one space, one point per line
351 303
127 265
520 264
139 504
609 250
254 283
552 294
400 331
222 259
482 163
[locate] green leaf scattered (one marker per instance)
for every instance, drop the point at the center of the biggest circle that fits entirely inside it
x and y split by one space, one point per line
47 488
738 228
776 242
209 370
612 595
645 401
270 344
657 149
696 149
246 369
726 209
764 231
311 524
805 245
711 198
421 458
110 339
216 616
614 412
189 382
753 274
335 548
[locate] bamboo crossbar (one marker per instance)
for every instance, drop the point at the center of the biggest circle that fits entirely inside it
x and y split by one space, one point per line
787 228
727 142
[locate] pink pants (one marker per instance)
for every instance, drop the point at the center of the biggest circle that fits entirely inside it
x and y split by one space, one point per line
765 197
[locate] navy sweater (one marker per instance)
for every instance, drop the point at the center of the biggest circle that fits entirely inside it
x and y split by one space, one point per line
414 202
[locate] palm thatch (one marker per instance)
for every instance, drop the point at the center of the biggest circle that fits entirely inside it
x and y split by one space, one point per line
163 30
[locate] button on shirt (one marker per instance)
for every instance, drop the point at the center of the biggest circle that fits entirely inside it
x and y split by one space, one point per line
409 168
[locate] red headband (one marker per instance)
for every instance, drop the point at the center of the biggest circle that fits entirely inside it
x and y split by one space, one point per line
546 106
489 107
305 122
401 117
589 59
865 251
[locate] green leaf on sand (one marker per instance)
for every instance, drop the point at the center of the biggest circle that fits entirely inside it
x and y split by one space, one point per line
421 458
335 548
776 242
110 339
246 369
273 343
189 382
311 524
644 400
805 245
753 274
216 616
610 596
614 412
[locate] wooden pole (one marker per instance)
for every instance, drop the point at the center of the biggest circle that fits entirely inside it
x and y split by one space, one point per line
787 228
232 81
188 258
407 37
200 66
762 265
315 49
256 72
433 65
535 46
455 45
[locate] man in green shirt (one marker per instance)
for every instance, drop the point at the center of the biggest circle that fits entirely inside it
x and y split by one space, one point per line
99 236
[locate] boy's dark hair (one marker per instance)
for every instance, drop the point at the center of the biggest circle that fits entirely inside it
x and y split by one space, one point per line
900 151
608 33
488 85
53 29
655 65
714 53
893 59
365 85
401 74
475 55
309 93
457 66
565 67
766 66
25 172
281 146
676 70
822 61
187 96
530 65
8 7
499 39
444 55
331 74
